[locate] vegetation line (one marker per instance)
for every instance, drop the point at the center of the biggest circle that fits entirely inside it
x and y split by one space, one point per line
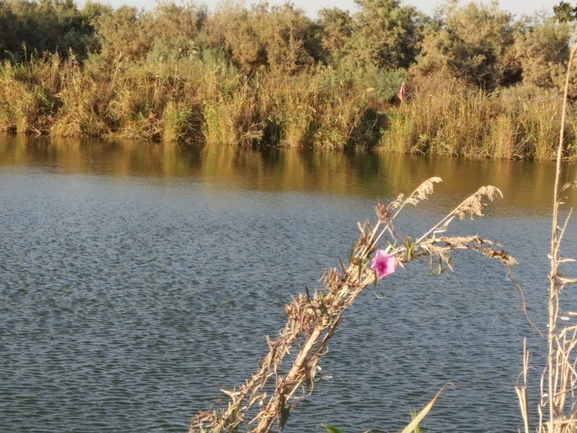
478 83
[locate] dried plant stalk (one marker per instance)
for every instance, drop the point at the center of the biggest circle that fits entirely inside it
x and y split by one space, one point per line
521 389
312 320
559 379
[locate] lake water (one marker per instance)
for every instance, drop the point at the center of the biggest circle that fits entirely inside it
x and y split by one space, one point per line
137 280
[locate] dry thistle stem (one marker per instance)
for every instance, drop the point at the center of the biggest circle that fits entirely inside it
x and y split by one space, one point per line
559 378
312 320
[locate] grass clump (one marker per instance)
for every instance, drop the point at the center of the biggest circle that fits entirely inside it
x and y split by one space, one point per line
457 121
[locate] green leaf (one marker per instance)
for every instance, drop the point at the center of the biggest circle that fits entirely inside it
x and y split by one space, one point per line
419 417
352 251
332 429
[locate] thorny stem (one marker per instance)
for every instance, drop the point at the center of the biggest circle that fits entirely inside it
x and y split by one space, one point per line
266 422
314 320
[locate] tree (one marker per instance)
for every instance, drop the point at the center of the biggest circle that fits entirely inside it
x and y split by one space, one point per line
565 13
278 38
125 33
172 20
336 28
44 26
473 42
9 39
385 34
542 50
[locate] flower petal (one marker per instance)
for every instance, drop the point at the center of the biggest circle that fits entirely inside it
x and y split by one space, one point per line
383 264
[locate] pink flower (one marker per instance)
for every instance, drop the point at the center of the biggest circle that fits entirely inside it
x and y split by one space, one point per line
383 264
402 92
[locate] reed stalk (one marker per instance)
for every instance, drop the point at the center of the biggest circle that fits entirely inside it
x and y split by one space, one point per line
558 405
521 389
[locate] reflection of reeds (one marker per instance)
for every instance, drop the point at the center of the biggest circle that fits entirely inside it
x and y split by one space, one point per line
314 317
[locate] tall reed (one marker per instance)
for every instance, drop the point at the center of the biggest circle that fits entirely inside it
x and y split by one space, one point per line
28 92
454 120
202 98
557 407
559 379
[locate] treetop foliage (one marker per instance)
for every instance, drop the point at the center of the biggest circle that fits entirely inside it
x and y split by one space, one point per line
475 43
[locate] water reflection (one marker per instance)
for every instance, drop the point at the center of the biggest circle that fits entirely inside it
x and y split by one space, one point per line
138 279
525 185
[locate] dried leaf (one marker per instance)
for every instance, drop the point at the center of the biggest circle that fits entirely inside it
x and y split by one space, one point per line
231 394
567 186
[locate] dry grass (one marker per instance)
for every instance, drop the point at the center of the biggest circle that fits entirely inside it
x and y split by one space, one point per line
558 407
203 98
454 120
313 318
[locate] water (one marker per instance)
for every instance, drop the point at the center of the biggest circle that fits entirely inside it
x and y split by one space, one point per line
137 280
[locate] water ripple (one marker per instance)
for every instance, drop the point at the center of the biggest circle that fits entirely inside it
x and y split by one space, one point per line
127 305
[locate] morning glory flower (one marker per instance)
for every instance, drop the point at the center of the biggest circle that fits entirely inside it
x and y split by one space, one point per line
383 264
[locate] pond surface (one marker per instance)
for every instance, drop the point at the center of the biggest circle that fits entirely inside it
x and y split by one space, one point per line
137 280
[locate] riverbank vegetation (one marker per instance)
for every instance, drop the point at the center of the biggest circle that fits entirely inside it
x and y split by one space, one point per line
480 83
